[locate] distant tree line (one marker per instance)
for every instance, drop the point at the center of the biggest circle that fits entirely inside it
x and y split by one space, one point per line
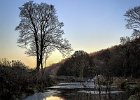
121 60
79 64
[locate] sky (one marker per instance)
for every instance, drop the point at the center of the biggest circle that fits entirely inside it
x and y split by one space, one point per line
89 25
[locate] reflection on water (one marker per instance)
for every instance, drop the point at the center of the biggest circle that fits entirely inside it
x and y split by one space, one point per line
49 95
53 98
75 95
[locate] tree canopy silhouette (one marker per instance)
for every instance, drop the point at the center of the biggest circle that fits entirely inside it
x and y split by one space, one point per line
40 31
79 64
133 18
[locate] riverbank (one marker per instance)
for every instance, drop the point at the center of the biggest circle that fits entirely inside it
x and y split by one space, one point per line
18 81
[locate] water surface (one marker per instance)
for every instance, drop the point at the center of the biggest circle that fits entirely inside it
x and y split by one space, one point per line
68 91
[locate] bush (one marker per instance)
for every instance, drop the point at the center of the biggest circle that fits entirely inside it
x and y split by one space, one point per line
134 97
16 79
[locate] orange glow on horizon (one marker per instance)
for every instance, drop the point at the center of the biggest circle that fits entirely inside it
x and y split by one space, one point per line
31 61
54 58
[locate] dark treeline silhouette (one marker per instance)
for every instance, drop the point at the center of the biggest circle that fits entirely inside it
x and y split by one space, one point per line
79 64
121 60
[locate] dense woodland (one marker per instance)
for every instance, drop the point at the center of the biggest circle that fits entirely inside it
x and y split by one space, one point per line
120 60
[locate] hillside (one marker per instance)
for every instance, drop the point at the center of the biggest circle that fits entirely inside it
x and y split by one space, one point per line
119 60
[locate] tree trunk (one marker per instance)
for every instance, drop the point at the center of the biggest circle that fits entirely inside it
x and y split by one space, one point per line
37 63
41 64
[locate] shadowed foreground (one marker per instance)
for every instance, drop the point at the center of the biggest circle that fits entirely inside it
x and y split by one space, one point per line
17 81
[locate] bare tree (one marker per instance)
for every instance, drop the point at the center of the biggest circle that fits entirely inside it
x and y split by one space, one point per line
40 31
133 18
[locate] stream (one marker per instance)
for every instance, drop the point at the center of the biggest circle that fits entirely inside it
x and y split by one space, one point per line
74 91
